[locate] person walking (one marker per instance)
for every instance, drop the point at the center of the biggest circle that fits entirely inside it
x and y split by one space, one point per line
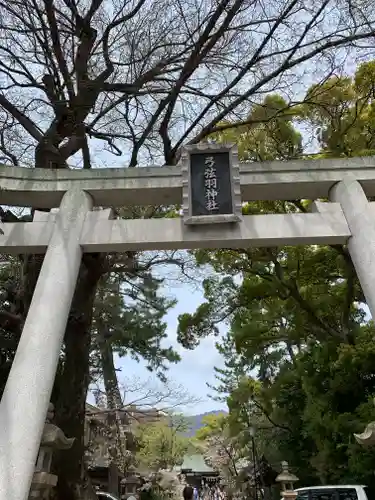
188 493
195 493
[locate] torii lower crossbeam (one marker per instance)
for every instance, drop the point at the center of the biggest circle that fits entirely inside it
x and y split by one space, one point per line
100 234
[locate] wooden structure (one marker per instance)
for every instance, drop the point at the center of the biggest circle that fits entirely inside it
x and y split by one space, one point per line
196 471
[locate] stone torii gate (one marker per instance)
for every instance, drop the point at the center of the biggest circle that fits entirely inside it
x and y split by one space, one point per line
211 219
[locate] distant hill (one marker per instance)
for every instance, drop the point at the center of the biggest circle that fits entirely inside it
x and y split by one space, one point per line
195 422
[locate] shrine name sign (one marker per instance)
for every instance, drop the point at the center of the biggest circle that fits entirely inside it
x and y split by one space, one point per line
211 190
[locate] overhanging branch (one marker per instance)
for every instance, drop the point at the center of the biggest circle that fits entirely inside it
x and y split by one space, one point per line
22 119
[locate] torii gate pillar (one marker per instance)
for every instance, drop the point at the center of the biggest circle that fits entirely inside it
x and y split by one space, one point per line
27 394
360 217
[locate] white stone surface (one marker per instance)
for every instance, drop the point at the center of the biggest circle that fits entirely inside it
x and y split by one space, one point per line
275 180
254 231
26 397
359 214
102 235
26 237
324 207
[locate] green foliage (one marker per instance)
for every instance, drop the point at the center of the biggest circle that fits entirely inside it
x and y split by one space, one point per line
293 318
212 424
268 132
10 295
128 320
342 112
129 314
332 387
160 445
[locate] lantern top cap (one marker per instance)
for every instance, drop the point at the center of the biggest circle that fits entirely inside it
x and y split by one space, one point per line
53 437
285 476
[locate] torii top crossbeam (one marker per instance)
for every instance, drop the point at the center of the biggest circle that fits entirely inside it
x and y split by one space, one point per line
274 180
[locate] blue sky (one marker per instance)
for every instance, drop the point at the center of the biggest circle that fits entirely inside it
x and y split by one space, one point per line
196 368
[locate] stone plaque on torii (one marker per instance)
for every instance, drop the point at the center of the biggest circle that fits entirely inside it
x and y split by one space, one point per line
211 190
76 228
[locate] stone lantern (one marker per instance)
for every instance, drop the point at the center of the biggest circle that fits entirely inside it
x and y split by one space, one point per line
53 438
286 479
130 483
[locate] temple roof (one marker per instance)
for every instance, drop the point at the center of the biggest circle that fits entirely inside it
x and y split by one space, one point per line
195 463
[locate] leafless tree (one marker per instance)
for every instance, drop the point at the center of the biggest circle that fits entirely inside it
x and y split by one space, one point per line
148 394
80 79
140 403
146 76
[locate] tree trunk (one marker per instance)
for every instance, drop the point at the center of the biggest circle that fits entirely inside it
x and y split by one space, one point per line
114 399
71 388
32 264
116 444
